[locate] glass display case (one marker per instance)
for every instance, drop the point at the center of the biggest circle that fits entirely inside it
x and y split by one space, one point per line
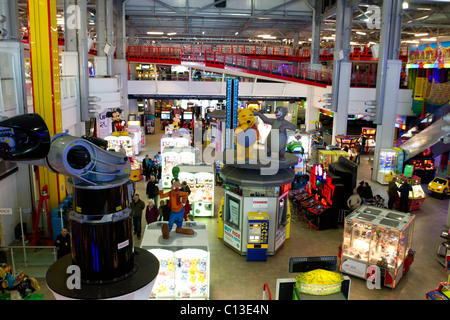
175 140
416 196
377 237
200 179
183 263
122 144
390 163
171 157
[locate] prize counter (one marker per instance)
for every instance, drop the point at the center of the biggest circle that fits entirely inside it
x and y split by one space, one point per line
377 244
249 192
416 196
184 260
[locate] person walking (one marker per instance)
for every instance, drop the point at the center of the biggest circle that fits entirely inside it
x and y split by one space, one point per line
358 153
404 189
137 206
151 212
152 190
362 141
354 201
159 166
63 243
392 192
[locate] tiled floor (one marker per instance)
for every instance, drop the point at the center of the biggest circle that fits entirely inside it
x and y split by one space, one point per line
232 277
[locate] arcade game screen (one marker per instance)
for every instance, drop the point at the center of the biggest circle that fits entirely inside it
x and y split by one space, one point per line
232 212
165 115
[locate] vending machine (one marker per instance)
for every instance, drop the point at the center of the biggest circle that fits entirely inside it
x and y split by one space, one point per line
258 236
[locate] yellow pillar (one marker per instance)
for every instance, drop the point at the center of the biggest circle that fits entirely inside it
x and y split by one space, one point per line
44 53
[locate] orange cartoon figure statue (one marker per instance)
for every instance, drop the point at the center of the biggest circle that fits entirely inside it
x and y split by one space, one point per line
176 209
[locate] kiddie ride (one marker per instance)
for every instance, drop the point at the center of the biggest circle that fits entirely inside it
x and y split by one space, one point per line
21 282
109 266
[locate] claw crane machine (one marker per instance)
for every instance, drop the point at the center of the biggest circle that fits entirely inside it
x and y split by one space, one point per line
390 163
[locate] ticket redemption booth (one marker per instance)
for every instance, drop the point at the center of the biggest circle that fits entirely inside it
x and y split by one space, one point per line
249 193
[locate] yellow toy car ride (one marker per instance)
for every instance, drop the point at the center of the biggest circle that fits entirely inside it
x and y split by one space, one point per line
440 186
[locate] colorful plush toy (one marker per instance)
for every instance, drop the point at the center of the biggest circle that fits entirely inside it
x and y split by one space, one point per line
280 124
246 135
177 209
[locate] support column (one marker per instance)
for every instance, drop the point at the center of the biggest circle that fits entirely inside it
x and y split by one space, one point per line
83 62
315 45
388 78
342 69
109 33
44 56
311 113
100 61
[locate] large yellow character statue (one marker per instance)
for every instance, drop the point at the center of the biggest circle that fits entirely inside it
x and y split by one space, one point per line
246 136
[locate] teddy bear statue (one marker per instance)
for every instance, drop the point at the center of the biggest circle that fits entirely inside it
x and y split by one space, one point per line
246 136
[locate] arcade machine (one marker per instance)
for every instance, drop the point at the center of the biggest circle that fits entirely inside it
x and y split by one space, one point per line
295 147
377 245
369 133
348 142
390 163
166 118
416 197
134 127
258 236
424 166
200 179
149 123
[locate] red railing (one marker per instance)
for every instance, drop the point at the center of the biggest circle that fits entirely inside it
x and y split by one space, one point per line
259 65
216 59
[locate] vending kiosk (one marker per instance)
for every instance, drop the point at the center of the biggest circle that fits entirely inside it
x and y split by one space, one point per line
258 236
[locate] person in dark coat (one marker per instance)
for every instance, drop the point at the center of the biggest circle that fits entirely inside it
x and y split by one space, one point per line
137 206
152 190
392 192
63 243
404 189
146 167
164 210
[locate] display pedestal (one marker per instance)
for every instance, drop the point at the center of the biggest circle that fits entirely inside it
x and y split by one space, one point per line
136 286
184 261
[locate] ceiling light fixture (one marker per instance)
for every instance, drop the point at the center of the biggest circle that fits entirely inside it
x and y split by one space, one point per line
155 32
420 34
405 5
361 33
171 33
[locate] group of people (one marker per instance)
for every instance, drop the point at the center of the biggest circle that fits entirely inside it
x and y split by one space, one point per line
154 213
152 166
393 191
363 194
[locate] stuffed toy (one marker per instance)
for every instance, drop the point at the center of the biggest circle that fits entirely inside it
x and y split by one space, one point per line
246 135
280 124
118 123
176 209
176 121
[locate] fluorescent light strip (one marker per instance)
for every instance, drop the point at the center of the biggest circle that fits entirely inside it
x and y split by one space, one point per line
155 32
